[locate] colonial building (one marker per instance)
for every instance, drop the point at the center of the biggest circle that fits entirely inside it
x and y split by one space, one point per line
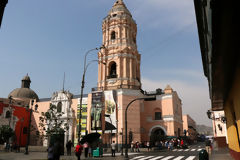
219 128
218 31
119 82
189 127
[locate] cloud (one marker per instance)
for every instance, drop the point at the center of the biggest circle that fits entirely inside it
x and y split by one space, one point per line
195 97
162 13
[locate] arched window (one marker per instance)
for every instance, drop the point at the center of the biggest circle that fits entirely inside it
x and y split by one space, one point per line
112 70
59 107
8 114
158 115
113 35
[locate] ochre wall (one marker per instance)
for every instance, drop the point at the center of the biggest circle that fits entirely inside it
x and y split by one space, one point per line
231 107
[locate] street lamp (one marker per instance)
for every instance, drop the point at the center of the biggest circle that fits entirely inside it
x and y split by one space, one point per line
29 125
3 4
82 87
152 98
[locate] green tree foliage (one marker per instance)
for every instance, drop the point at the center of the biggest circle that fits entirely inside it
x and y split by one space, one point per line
51 122
5 133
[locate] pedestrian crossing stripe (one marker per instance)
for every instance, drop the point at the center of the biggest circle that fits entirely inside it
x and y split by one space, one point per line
146 158
179 150
191 158
168 157
178 158
163 158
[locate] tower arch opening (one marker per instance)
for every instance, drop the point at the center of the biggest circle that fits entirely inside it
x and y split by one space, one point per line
112 70
113 35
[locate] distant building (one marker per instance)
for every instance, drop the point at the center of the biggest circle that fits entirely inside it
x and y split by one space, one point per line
219 129
189 127
14 113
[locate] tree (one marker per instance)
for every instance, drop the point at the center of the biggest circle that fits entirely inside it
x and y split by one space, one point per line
5 133
51 122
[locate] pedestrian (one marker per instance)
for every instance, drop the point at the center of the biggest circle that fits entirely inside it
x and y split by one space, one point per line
78 150
148 146
132 146
86 146
89 151
208 146
181 143
113 146
50 152
137 146
56 150
69 147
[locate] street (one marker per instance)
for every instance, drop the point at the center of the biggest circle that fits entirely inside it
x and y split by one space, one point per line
176 154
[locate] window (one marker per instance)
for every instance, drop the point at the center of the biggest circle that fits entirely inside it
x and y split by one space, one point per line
8 114
113 35
158 115
59 107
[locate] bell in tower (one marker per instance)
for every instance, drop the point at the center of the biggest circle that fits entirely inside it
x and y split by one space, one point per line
121 68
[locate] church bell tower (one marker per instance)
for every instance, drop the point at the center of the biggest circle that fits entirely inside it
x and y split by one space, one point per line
120 67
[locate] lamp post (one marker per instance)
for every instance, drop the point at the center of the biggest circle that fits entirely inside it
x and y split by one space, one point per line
122 143
3 4
146 99
29 125
82 87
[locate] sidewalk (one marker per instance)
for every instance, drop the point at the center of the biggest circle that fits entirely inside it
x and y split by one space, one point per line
220 153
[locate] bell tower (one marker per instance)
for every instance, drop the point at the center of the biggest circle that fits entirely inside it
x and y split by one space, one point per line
121 68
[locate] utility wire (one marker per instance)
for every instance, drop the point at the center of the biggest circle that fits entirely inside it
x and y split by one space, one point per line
166 40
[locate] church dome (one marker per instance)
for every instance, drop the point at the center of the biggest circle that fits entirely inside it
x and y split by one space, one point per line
24 92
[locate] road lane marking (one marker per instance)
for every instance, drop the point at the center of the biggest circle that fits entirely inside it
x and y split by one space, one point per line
200 149
138 157
190 158
167 158
146 158
158 157
186 150
193 149
180 150
175 150
178 158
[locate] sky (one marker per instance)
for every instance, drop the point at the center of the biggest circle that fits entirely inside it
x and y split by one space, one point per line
46 38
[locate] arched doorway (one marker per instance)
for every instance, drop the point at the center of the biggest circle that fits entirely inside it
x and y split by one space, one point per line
157 134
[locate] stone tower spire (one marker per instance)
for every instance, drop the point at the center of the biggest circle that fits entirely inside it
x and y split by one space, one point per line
122 69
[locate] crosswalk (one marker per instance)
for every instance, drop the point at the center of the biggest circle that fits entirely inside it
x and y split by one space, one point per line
164 158
184 150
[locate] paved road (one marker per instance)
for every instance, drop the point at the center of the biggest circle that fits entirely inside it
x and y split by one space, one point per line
176 154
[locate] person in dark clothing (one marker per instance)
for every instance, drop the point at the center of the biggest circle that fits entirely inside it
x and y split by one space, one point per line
69 146
56 150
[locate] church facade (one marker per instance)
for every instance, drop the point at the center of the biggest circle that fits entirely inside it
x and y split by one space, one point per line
119 82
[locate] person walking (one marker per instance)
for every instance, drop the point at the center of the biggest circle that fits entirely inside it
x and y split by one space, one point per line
132 146
89 151
56 150
137 146
148 146
86 146
113 146
78 150
208 146
50 152
69 147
